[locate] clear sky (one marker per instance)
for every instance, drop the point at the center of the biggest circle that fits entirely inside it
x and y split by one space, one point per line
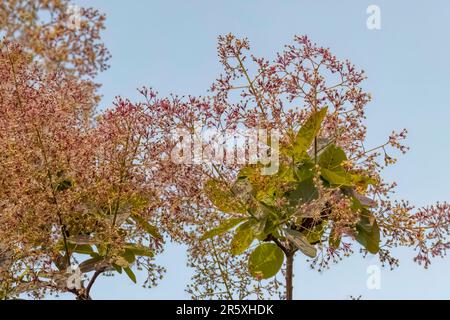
170 45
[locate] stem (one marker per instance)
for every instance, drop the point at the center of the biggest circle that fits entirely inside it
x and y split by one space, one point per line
250 84
289 275
89 287
315 150
222 273
289 265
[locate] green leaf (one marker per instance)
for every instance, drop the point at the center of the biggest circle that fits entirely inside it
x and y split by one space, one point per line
129 255
265 261
82 239
330 161
101 248
302 192
78 248
125 258
307 133
315 235
250 172
83 249
301 242
150 229
130 274
222 228
242 239
117 268
332 157
122 262
287 173
265 225
259 227
90 264
334 241
267 195
362 182
305 171
270 227
338 177
138 250
222 197
368 232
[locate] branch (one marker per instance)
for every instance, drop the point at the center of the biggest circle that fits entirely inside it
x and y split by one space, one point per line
91 283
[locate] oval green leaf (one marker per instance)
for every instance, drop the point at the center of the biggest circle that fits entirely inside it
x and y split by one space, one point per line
368 233
242 239
222 197
332 157
222 228
265 261
307 133
130 274
301 242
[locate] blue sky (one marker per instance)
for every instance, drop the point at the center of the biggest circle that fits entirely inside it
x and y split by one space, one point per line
171 46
